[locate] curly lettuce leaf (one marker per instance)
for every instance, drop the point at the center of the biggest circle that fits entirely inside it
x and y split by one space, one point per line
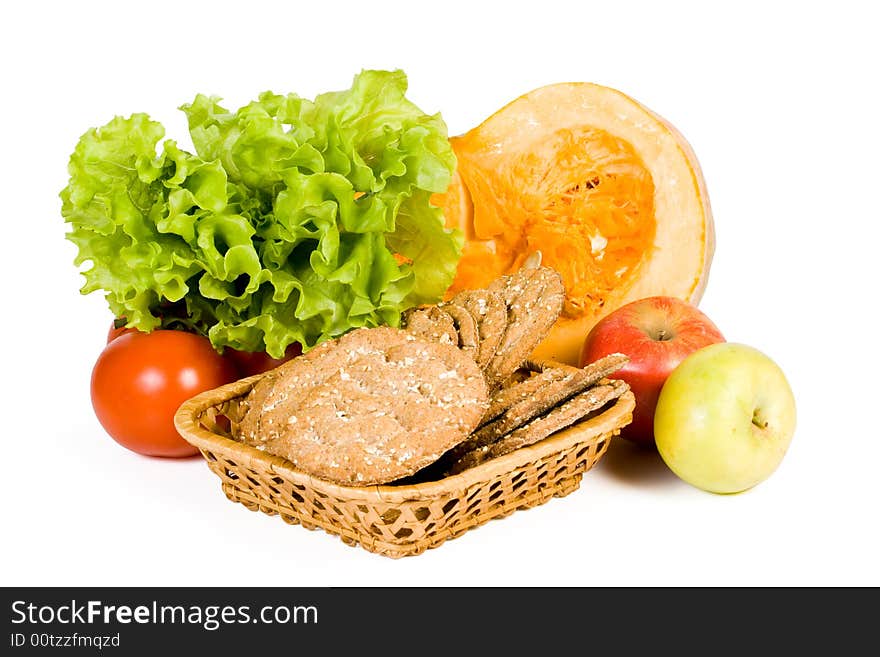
294 220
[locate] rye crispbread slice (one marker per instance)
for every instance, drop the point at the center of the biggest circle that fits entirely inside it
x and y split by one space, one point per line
466 326
520 403
430 322
370 407
559 417
534 298
490 317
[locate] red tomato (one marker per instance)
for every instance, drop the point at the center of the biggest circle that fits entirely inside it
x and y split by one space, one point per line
114 332
250 363
141 379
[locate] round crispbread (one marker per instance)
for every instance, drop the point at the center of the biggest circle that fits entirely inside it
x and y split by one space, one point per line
370 407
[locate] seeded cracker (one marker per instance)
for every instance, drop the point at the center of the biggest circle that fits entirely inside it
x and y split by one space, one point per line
560 417
371 407
534 298
490 315
526 382
430 322
466 325
523 402
250 423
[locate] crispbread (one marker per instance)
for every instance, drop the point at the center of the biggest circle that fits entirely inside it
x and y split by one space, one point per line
534 298
560 417
554 383
466 326
522 402
501 325
490 316
371 407
430 322
518 390
250 422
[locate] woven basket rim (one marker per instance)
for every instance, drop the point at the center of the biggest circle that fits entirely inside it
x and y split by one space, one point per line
585 431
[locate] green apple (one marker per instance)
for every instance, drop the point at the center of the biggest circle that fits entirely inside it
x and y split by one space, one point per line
725 418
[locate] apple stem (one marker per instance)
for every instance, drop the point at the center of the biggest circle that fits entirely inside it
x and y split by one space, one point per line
758 419
660 334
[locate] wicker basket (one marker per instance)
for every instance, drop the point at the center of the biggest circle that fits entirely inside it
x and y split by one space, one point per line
393 520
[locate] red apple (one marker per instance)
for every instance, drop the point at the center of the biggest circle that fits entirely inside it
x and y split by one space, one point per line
656 333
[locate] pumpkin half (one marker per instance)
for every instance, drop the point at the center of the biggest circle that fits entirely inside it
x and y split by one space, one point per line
609 192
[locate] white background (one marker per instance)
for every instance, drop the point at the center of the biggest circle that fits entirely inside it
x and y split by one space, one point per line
779 101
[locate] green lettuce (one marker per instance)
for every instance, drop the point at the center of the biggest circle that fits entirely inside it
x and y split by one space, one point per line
293 221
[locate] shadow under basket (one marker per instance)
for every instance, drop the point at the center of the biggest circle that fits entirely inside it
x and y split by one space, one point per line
393 520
